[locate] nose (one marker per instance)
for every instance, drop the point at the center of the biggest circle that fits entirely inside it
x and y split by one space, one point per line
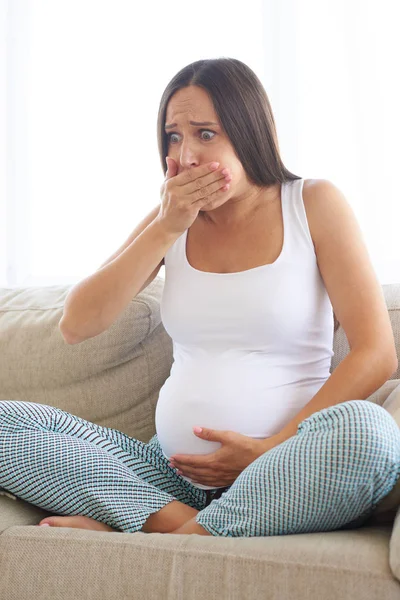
188 156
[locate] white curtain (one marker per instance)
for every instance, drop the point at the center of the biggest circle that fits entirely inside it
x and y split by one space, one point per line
80 86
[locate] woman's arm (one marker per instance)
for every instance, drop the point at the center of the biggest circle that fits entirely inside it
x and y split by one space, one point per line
357 300
358 376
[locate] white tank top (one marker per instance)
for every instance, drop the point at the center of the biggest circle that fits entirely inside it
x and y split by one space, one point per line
250 348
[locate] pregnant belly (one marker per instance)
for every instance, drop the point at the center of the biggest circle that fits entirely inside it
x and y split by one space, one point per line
239 395
214 399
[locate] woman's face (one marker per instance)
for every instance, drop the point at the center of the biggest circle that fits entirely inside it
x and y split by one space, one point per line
193 145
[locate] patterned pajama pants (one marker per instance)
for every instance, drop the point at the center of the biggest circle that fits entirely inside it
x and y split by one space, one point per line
331 475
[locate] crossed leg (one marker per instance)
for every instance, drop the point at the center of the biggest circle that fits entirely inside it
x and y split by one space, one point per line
340 464
175 517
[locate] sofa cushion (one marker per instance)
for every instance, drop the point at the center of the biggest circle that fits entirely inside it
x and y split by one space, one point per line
67 563
112 379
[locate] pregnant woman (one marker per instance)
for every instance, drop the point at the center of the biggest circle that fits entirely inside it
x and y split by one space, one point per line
256 261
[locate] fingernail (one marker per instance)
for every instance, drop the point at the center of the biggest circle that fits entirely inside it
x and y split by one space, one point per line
44 525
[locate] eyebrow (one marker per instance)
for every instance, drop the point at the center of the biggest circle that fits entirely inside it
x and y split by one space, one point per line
197 123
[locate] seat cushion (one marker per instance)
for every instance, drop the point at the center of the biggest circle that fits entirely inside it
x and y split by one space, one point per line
65 563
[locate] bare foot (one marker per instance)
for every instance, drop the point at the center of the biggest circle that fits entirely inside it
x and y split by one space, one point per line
78 522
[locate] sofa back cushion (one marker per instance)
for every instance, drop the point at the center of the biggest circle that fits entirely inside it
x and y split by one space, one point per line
112 379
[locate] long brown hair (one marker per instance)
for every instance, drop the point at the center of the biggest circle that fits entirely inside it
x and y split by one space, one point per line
245 113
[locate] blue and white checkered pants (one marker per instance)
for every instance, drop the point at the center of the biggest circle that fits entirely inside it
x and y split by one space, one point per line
331 475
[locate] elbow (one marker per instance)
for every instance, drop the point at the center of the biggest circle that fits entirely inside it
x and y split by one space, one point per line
383 361
389 361
69 338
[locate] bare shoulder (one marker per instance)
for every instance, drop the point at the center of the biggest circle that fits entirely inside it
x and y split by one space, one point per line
322 201
311 187
348 274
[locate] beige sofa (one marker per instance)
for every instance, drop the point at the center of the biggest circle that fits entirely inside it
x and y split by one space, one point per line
114 379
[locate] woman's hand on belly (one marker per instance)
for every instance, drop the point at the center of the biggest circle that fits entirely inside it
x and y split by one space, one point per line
222 467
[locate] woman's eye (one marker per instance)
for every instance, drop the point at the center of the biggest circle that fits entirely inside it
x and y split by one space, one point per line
206 131
170 137
206 139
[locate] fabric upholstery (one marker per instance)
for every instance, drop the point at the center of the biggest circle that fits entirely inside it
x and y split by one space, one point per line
72 563
113 380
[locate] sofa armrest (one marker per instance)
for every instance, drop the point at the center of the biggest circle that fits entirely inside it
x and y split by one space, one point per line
394 548
381 394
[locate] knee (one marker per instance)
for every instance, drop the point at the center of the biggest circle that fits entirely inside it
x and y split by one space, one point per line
355 424
7 406
13 407
364 413
358 414
371 426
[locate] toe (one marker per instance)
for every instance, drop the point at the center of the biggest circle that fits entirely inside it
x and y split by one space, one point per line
76 521
48 521
56 521
59 521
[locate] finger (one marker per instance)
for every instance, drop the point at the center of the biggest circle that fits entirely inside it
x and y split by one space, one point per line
203 187
194 464
172 168
190 471
188 177
182 464
208 186
188 459
211 193
201 473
